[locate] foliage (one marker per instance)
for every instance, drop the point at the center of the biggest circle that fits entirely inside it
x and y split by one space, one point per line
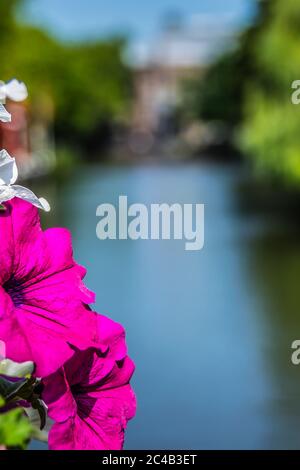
15 428
7 23
81 87
18 387
249 88
217 94
270 131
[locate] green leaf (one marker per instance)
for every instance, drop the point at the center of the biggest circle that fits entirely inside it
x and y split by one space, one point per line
15 429
27 390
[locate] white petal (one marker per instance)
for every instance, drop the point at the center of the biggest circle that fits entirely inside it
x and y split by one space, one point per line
16 369
45 204
29 196
4 115
8 168
2 93
15 90
6 193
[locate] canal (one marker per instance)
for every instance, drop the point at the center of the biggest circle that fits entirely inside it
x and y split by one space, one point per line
210 331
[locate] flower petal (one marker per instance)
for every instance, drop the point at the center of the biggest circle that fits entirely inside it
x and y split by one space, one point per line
45 204
29 196
52 311
8 168
2 350
99 385
5 116
99 424
16 344
6 193
16 369
14 90
6 244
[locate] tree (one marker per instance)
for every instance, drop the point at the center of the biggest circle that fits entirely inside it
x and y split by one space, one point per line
270 131
80 88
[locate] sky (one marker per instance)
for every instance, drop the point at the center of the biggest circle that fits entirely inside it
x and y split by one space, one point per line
141 19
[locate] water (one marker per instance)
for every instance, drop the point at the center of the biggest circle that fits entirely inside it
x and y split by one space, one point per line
210 331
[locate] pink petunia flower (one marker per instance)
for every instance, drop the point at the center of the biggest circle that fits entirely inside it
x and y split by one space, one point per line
43 301
90 399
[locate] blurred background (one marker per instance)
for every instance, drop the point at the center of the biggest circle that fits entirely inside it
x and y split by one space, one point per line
186 102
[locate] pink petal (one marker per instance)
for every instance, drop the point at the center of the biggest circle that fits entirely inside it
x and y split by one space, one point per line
100 423
51 317
99 384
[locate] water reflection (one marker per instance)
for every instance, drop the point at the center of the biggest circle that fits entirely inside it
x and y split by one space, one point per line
275 271
210 331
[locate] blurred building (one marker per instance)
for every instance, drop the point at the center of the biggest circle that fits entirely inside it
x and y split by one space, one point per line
179 52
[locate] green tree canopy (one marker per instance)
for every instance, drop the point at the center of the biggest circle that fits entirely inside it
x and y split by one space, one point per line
81 86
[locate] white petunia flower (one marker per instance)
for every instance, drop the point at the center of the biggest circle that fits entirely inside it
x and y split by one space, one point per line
9 190
14 90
